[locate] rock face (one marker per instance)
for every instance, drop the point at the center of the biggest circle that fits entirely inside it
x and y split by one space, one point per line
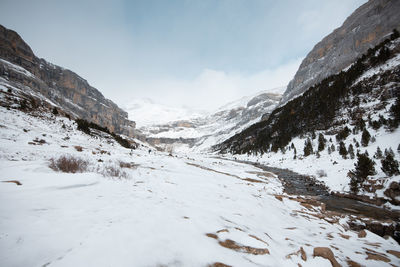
20 68
363 29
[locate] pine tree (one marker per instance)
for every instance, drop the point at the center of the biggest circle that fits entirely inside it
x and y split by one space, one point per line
378 153
363 168
333 148
308 149
295 153
398 149
365 137
321 142
329 150
351 151
313 136
55 111
342 150
390 166
389 151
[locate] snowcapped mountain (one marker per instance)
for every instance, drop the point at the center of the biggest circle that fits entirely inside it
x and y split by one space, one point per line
366 27
146 112
38 82
354 113
202 132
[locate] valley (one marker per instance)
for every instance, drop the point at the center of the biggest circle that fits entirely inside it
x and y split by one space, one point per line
305 174
180 209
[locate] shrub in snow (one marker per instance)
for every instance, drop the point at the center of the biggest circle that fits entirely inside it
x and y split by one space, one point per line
129 165
373 139
78 148
365 137
321 173
69 164
308 149
363 168
112 171
55 111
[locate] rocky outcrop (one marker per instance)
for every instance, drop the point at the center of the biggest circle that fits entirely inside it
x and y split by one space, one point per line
363 29
326 253
22 69
393 193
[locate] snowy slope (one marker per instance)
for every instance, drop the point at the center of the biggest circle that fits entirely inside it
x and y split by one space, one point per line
381 88
166 211
201 132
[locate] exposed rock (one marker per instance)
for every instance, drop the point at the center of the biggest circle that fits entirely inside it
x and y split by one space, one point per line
228 243
303 254
326 253
13 181
362 234
219 264
61 86
363 29
394 253
352 263
393 192
377 257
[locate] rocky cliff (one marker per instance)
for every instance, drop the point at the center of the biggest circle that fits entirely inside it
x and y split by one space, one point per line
363 29
20 68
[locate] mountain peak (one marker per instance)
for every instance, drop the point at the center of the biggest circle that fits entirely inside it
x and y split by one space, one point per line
363 29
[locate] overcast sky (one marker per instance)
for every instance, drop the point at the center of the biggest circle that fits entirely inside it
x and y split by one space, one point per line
201 53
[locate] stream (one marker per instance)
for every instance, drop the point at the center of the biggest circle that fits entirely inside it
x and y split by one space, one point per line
297 184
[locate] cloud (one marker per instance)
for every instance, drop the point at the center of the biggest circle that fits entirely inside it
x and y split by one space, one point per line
213 88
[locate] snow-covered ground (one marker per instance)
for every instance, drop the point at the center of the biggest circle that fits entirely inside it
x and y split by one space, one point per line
187 210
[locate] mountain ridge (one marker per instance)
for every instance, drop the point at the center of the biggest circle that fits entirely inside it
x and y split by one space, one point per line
363 29
62 87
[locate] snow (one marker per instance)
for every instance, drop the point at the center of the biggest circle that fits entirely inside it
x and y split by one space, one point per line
159 215
395 61
145 112
17 68
242 102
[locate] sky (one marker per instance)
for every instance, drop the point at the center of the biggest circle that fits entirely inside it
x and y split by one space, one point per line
183 53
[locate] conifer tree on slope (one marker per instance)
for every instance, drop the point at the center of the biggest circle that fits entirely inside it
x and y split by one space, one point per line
363 168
